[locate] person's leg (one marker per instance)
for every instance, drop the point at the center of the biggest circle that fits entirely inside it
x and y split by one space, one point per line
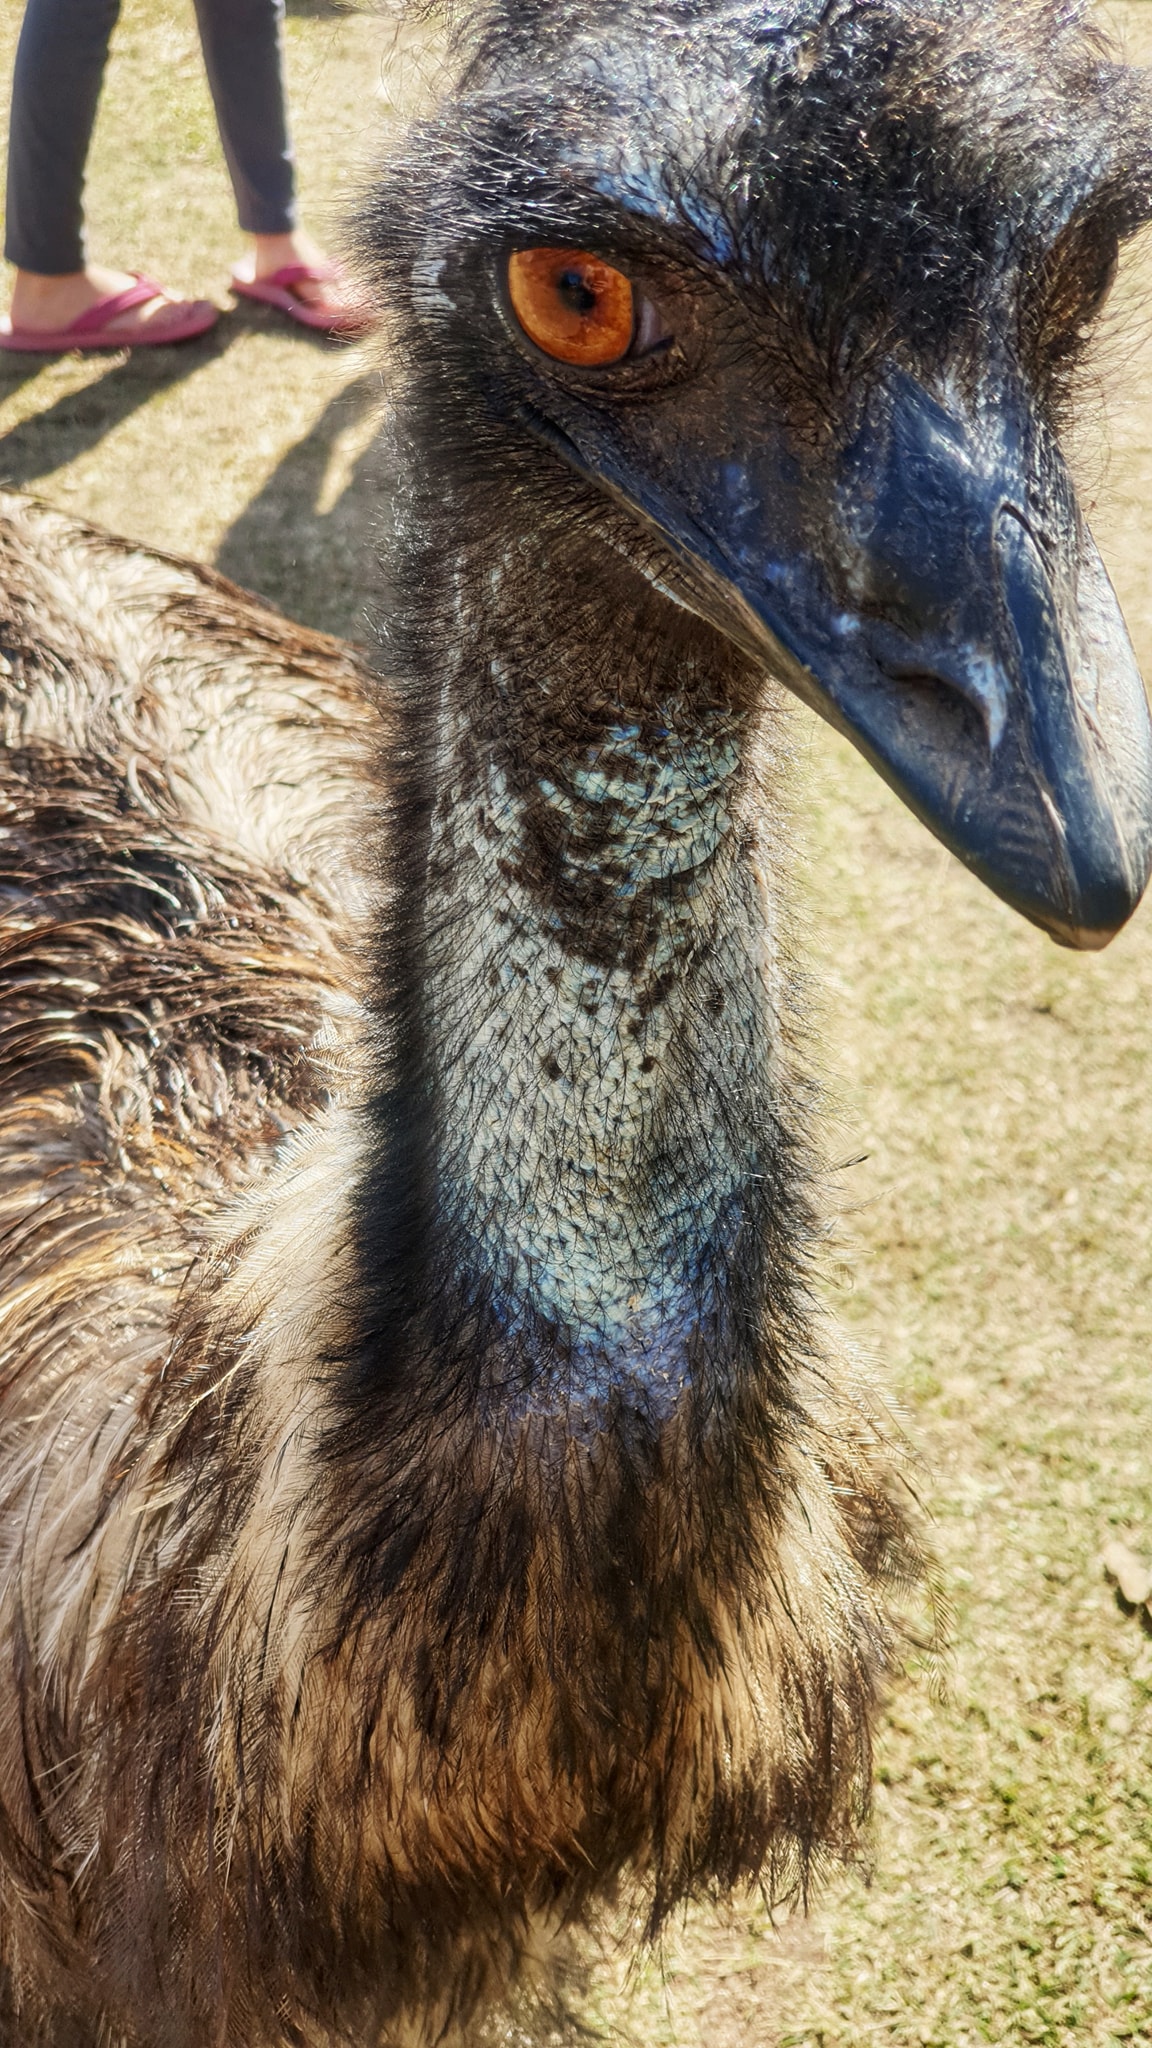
55 87
243 56
56 84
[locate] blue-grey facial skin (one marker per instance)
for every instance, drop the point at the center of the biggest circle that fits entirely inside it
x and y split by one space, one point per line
898 540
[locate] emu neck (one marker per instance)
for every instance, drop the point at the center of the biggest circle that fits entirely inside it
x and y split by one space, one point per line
597 1013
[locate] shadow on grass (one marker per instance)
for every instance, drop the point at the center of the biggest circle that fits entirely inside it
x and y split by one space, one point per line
17 370
78 420
315 564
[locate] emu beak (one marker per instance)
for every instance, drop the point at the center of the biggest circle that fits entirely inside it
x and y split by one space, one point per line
963 635
981 662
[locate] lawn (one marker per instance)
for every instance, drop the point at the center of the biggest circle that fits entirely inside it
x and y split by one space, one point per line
994 1092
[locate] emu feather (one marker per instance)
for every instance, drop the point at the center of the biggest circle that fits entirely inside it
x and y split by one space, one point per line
239 1773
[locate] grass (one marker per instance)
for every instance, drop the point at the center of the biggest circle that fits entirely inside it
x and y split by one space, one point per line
1001 1092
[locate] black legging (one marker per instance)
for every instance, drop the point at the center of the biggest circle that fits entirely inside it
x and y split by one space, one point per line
56 85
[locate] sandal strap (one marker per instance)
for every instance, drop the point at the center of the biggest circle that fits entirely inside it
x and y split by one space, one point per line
301 273
138 294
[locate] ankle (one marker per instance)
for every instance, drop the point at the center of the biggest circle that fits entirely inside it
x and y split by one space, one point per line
36 287
273 252
49 301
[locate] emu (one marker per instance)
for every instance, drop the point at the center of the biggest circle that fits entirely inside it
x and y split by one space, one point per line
432 1498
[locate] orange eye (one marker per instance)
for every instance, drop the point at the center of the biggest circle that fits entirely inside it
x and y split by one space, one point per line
572 305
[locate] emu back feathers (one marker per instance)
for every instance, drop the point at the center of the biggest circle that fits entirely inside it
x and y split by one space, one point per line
179 770
253 1788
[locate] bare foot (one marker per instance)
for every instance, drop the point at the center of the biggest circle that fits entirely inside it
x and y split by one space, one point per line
48 305
271 253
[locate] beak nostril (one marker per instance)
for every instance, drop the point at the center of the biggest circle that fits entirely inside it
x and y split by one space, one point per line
907 672
965 676
938 696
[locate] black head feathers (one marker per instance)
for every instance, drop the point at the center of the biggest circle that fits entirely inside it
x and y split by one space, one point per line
908 167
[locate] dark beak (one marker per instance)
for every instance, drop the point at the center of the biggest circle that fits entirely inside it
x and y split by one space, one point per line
982 664
953 619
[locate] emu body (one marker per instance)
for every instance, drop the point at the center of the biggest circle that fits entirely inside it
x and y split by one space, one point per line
318 1699
431 1498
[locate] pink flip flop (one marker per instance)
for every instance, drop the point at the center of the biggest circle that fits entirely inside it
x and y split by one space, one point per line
342 316
180 320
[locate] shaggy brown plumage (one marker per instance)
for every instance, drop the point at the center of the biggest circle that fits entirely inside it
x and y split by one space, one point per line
180 771
262 1779
430 1496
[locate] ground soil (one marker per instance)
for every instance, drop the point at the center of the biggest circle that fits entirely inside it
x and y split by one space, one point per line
994 1094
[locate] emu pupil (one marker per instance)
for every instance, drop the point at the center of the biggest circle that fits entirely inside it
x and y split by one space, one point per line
577 293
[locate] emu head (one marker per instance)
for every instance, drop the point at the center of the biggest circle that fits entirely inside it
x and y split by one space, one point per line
788 297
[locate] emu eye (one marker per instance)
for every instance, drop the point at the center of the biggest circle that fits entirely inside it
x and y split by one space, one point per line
574 306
